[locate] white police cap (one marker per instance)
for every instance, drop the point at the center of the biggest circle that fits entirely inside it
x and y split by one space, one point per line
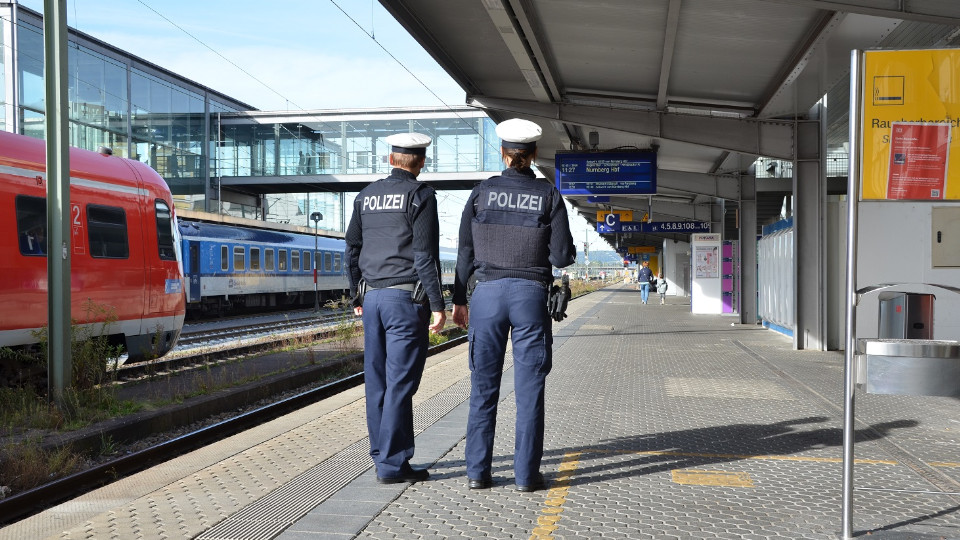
519 133
409 143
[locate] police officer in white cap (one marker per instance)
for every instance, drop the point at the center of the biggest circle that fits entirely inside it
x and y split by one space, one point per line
393 246
513 229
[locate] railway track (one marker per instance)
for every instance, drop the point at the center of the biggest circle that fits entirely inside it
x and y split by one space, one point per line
200 347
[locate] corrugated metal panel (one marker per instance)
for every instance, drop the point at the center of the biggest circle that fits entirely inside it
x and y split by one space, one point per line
732 50
605 47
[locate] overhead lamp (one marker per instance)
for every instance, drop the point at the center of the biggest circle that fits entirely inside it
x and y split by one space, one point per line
594 139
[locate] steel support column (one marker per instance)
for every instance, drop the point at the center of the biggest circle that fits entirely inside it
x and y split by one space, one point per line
57 133
717 222
809 246
748 249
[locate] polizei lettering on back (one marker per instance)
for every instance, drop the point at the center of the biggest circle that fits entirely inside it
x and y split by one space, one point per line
514 201
389 201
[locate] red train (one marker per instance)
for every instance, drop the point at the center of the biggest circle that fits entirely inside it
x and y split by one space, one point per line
125 257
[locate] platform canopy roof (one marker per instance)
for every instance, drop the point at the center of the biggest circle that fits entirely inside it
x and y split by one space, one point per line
711 84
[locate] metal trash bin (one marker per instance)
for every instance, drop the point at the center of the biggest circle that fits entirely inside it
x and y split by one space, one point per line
913 367
906 316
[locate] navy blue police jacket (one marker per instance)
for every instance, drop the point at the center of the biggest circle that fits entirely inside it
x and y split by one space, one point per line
394 236
513 226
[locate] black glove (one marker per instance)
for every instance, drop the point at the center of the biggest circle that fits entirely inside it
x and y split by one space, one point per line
361 291
558 299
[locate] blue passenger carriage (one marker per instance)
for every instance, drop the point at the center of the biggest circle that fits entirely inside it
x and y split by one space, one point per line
230 268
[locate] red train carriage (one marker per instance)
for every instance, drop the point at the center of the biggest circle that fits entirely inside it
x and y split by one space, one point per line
124 244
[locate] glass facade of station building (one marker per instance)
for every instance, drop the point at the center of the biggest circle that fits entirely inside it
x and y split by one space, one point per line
199 139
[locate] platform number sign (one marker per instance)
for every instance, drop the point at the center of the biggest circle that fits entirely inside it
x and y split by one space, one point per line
77 234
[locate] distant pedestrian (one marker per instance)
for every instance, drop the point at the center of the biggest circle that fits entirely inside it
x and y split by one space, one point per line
513 229
302 164
393 260
661 287
644 276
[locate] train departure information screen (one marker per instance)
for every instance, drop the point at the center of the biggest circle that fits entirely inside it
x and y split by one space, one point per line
607 173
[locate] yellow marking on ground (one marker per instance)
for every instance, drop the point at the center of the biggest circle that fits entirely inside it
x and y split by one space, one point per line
550 514
943 464
694 477
742 456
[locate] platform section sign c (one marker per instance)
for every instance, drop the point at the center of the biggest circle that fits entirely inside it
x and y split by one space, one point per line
910 112
606 173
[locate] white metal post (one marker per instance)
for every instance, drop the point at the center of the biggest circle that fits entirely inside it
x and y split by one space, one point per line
849 374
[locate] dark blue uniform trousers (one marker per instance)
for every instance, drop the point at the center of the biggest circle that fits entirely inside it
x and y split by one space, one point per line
395 340
517 307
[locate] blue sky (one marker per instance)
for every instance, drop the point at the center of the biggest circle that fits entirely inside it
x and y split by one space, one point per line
292 55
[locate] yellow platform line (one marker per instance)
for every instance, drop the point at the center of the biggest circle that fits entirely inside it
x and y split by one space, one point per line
943 464
739 456
556 497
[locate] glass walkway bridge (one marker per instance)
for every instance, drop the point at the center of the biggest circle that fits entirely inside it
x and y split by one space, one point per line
281 166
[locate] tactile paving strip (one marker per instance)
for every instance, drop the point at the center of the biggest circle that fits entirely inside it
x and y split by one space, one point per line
274 512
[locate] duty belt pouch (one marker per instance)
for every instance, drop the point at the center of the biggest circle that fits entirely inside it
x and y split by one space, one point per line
419 294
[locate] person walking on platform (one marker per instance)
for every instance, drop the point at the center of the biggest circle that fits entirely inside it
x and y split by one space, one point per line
513 228
393 260
644 275
661 287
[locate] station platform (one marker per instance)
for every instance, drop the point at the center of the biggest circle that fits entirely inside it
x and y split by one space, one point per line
660 424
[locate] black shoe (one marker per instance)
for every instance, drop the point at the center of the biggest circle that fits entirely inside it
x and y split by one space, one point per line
538 483
481 483
412 475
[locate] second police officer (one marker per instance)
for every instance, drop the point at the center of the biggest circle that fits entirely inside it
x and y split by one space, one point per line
513 228
393 246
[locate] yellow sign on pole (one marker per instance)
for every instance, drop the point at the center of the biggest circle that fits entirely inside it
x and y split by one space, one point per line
625 215
911 110
641 249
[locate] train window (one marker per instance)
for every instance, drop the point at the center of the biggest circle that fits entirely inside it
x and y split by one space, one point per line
336 263
295 261
165 232
254 258
224 258
283 260
107 229
239 262
268 260
328 262
32 225
306 261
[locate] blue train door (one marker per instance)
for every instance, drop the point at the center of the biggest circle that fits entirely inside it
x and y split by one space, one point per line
194 294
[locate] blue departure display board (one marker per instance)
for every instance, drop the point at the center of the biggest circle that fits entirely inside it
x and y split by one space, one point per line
607 173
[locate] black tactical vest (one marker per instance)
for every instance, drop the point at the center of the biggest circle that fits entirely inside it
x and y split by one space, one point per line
511 229
386 214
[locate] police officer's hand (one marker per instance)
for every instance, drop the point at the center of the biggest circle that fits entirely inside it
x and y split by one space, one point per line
358 311
439 319
461 316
